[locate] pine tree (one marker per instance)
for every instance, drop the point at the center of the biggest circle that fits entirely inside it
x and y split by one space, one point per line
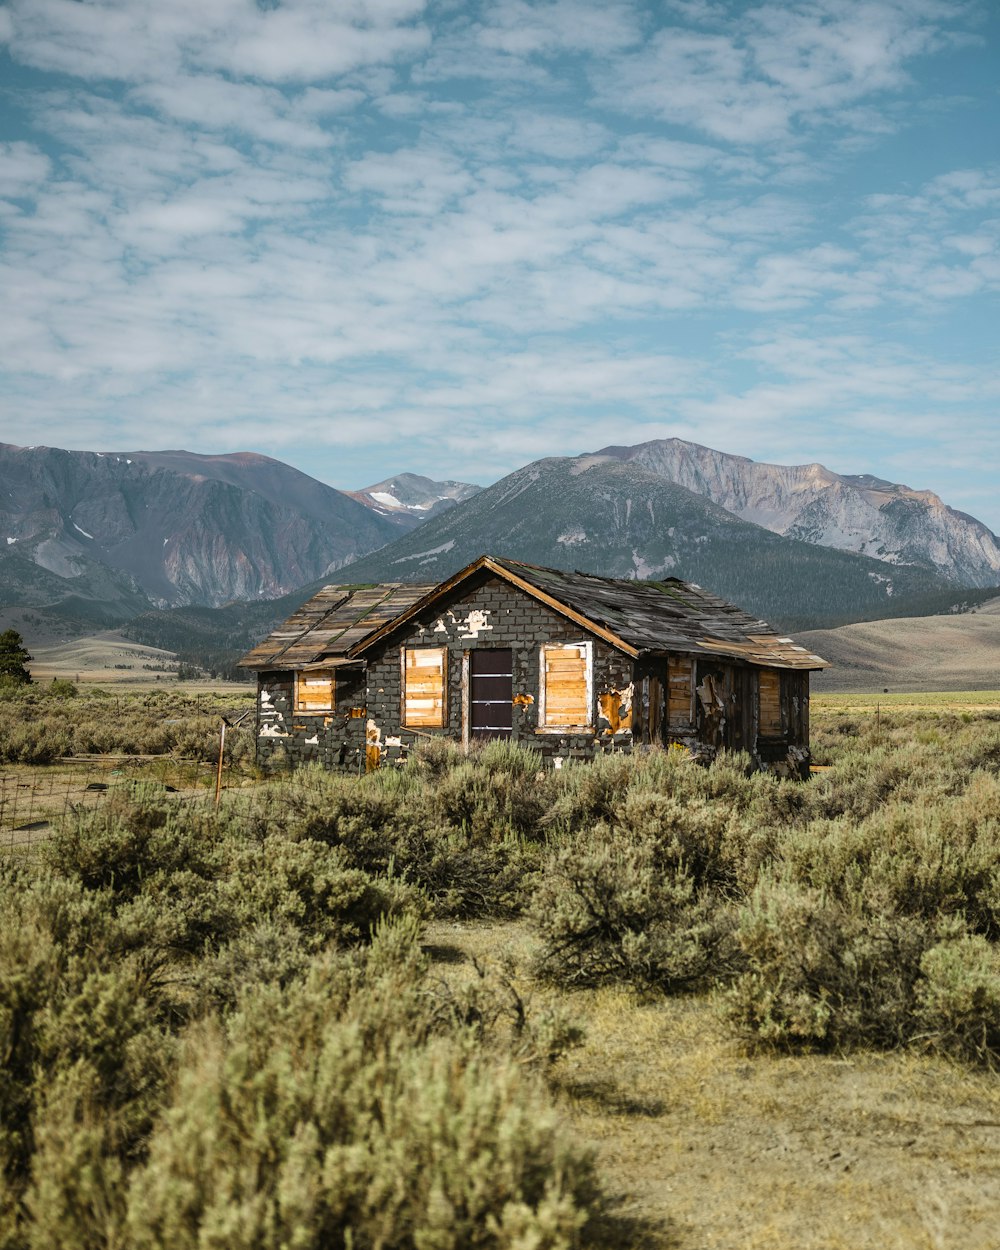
13 657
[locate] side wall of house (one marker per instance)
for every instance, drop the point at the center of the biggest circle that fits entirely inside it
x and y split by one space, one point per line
738 708
334 739
493 614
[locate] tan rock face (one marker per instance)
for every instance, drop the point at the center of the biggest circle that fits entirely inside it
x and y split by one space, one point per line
864 514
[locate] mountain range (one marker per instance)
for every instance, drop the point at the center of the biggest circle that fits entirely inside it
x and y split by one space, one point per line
861 513
616 518
167 536
121 531
409 499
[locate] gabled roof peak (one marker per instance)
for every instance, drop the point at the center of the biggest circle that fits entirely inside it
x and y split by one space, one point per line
637 617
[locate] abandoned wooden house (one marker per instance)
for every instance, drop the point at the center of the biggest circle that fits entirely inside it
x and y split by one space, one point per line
566 663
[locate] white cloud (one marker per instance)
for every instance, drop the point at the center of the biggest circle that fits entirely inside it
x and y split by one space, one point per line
525 228
23 169
296 41
522 29
759 77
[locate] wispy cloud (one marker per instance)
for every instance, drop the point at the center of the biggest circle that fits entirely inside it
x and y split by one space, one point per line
459 235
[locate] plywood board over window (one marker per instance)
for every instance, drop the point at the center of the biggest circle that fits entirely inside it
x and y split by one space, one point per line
770 703
680 710
566 687
424 670
315 690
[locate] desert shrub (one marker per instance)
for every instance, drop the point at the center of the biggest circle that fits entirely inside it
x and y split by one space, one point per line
434 757
822 975
589 791
614 908
339 1111
310 887
86 1051
408 824
60 688
33 742
192 877
496 794
40 723
958 999
139 830
153 932
926 861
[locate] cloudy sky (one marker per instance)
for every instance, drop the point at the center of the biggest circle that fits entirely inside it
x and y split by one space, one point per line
446 236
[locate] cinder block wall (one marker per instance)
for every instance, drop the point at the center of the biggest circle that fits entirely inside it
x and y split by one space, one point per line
493 614
335 740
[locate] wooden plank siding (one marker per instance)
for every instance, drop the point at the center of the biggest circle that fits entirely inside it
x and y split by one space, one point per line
769 685
315 691
680 693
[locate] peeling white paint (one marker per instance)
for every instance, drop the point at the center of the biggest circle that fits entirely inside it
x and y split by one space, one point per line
394 742
313 741
265 698
475 623
557 761
272 731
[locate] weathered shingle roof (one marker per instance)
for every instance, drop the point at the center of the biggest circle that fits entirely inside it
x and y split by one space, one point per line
333 621
639 617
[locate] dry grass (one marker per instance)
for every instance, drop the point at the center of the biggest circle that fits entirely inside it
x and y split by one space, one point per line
914 701
715 1150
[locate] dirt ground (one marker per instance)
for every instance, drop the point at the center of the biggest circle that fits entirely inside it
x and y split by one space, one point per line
710 1148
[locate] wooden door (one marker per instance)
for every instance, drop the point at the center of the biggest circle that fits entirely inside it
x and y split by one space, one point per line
491 693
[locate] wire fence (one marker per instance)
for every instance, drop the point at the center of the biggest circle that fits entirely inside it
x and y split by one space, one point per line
34 803
37 800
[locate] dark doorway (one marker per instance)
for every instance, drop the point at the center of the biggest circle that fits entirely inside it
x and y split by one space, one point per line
491 691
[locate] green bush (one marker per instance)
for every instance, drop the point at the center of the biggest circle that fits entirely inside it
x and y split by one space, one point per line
958 999
609 907
451 838
86 1046
821 975
203 1045
334 1113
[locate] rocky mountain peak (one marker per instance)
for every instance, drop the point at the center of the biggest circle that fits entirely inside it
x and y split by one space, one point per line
861 513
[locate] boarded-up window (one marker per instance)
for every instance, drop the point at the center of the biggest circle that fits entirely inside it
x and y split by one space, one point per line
424 670
565 673
770 703
315 691
679 714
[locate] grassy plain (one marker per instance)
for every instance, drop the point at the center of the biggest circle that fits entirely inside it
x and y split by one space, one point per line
704 1139
709 1147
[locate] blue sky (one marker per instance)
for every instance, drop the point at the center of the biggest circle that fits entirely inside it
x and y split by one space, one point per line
366 236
